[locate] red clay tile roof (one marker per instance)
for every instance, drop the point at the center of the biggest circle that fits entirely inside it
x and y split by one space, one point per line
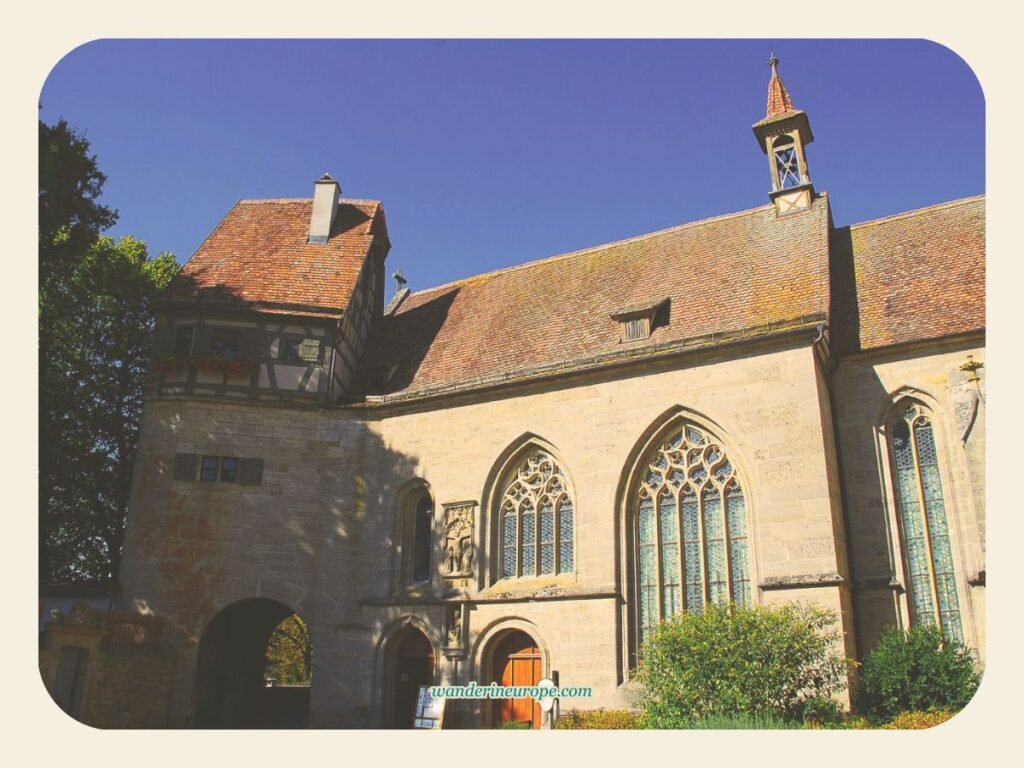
915 276
258 256
778 97
722 275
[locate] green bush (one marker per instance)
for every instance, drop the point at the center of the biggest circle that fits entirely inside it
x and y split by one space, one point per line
599 720
916 721
513 725
916 671
767 661
740 723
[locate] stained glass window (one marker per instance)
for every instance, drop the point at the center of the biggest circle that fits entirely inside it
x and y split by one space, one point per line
691 529
536 519
922 512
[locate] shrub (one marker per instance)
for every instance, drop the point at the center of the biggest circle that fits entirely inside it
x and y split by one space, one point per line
916 671
915 721
599 720
512 725
767 661
740 723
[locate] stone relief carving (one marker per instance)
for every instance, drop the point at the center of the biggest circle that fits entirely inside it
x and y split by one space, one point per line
459 552
453 637
965 395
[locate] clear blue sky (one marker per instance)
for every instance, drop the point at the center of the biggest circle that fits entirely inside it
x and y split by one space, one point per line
490 153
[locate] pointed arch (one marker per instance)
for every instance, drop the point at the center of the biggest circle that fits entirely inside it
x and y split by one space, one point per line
530 513
925 548
413 532
685 504
386 667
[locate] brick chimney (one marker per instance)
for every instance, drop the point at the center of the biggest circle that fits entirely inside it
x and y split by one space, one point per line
325 207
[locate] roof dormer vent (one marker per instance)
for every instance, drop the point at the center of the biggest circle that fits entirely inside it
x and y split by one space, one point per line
637 321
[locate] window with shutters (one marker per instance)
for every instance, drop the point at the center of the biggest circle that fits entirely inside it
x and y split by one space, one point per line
298 349
689 517
218 469
924 529
535 518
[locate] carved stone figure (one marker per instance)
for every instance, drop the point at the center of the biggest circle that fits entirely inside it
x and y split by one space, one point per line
458 539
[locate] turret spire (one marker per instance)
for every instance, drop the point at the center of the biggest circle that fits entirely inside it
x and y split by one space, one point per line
779 101
783 134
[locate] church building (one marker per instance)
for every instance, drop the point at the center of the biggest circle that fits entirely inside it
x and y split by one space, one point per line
516 475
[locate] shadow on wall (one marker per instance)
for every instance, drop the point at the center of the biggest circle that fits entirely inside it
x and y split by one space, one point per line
221 565
400 344
874 573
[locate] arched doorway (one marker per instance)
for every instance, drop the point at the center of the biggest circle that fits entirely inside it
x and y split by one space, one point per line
516 661
232 689
412 665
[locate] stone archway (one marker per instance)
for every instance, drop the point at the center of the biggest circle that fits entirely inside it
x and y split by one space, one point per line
516 660
409 663
231 691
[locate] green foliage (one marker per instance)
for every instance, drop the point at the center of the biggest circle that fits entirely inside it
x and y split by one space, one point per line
740 722
515 726
916 671
599 720
95 328
729 661
916 721
289 659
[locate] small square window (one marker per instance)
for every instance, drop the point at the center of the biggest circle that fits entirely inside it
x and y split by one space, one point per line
229 470
290 350
183 341
208 470
224 343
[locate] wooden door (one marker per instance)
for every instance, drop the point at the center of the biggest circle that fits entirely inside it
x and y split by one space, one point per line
517 662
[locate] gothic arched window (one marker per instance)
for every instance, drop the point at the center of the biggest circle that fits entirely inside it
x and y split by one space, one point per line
922 516
535 518
690 529
418 535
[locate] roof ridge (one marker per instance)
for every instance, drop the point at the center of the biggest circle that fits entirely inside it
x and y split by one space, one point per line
595 248
916 211
256 200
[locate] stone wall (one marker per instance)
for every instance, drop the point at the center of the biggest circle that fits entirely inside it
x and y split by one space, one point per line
121 687
866 388
322 534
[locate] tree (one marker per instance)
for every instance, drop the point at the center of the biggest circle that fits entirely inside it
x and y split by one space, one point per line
95 328
289 659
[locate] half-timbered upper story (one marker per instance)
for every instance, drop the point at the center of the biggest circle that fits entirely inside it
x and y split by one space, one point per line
277 304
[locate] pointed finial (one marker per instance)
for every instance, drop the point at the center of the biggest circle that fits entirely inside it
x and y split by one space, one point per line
778 97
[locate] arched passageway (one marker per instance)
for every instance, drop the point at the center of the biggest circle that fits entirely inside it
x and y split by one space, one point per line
232 689
410 665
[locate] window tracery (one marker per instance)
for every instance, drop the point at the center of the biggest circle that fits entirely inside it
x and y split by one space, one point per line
691 531
536 518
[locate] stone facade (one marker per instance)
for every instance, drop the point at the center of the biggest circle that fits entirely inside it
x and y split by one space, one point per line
323 533
261 496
